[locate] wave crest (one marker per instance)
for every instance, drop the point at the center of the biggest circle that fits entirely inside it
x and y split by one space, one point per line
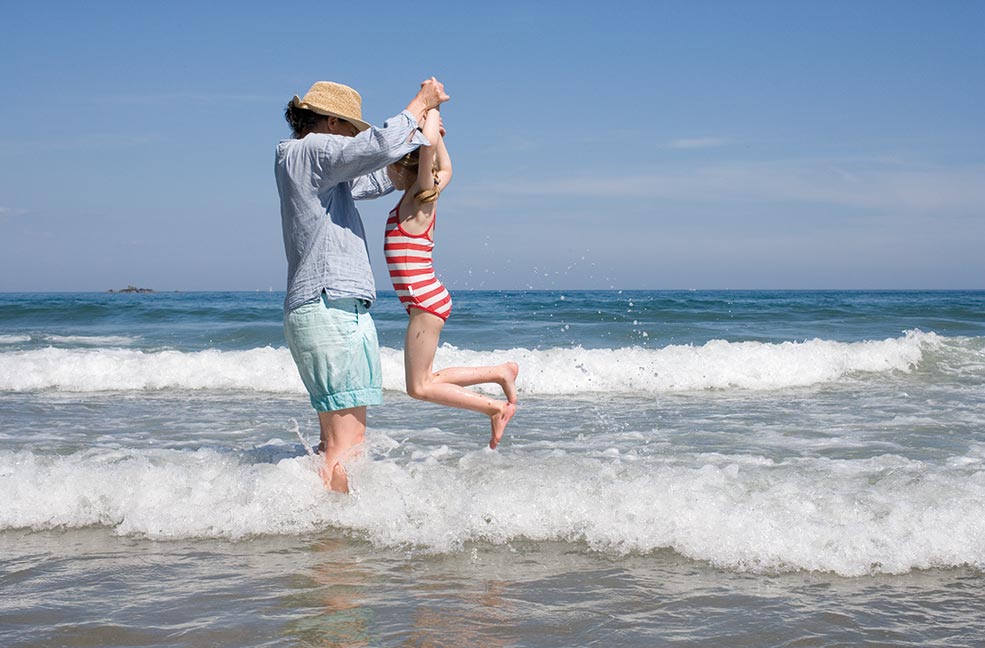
562 370
852 517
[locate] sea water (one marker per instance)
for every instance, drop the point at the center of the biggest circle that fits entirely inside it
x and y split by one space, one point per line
699 468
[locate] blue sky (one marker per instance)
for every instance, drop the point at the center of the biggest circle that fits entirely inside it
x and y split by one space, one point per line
596 145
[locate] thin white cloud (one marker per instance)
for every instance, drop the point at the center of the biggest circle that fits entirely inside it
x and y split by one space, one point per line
846 183
697 143
9 212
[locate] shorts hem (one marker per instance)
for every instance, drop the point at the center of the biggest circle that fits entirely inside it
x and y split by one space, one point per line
348 400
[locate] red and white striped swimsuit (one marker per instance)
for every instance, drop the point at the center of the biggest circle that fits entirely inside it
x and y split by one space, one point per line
408 258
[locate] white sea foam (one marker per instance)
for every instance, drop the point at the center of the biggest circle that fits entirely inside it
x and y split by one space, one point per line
852 517
87 370
715 365
14 339
163 494
566 370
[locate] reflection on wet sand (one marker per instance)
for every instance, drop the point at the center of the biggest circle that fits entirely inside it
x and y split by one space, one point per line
335 593
459 618
353 599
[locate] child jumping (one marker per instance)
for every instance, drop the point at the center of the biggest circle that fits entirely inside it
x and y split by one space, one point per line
408 243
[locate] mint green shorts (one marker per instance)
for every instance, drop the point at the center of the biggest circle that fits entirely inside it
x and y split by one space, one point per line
335 348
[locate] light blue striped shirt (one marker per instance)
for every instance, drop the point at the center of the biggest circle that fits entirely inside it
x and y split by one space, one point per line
319 177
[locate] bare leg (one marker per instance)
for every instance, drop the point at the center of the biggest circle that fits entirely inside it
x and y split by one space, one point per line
423 332
504 375
341 430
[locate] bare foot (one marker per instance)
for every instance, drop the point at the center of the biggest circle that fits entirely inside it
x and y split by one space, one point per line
499 422
508 381
335 478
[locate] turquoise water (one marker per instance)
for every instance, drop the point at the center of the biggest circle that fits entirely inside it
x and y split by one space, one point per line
708 468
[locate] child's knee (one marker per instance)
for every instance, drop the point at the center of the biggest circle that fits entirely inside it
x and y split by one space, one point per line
417 390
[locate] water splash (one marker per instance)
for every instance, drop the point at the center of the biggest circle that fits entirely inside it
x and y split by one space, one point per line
304 440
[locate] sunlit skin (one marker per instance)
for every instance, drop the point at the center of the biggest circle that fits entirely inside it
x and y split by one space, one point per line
447 386
342 431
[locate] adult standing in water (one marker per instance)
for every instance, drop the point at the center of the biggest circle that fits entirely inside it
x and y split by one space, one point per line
333 159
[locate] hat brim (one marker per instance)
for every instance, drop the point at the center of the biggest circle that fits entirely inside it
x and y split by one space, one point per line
358 123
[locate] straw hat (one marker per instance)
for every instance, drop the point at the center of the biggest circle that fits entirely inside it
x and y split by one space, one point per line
333 100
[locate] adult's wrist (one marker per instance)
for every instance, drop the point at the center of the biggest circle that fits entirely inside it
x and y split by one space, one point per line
418 108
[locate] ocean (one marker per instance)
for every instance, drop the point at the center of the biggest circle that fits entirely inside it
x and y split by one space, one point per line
700 468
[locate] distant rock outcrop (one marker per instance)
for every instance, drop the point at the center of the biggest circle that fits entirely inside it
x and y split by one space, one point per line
132 289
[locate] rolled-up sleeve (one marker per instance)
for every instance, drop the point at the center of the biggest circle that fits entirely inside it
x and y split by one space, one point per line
344 159
372 185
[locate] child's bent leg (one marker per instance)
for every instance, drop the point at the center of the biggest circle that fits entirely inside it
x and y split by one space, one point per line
504 375
420 345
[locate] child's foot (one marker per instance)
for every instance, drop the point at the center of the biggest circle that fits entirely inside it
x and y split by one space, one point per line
508 380
499 422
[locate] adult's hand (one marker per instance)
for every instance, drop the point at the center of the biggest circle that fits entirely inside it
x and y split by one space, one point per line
434 92
431 95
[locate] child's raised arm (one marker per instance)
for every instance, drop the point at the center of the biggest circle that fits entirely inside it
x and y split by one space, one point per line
442 159
435 160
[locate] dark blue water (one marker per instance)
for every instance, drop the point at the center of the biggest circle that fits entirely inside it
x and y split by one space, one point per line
485 320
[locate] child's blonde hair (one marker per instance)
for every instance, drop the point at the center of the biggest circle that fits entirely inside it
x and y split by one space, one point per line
411 163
